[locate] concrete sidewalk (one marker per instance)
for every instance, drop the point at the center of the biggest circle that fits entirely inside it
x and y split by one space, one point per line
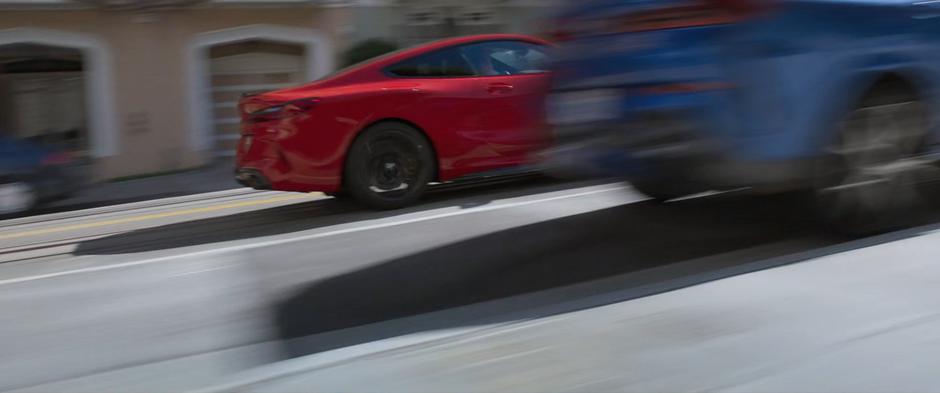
865 319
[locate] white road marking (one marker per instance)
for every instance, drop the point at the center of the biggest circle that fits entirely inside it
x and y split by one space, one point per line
211 269
275 242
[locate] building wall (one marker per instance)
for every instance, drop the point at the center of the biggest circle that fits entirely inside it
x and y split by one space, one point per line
6 104
394 19
149 71
371 20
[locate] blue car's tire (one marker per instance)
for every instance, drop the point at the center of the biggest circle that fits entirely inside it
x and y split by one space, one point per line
17 197
868 178
662 190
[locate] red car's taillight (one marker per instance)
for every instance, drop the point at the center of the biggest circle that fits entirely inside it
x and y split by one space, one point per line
745 7
60 158
694 14
262 113
567 30
560 34
299 106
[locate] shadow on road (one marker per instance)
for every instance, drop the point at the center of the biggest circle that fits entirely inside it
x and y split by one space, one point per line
305 216
350 309
662 247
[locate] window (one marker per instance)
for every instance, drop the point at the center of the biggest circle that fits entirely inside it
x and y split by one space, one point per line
424 17
443 63
507 58
476 16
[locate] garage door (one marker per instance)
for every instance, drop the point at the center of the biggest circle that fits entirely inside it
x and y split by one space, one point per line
45 105
247 67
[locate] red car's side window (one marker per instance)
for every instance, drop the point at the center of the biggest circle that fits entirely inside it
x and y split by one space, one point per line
490 58
507 58
443 63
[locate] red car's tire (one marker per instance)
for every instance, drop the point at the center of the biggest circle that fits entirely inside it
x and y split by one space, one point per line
389 166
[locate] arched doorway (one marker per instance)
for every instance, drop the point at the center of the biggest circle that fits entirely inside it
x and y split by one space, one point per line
45 69
225 63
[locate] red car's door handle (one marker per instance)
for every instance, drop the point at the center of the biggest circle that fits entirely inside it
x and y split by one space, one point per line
494 88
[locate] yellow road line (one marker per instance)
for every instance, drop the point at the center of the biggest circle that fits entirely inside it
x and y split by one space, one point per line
155 216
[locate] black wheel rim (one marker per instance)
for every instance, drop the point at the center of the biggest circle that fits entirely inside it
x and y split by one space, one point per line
393 167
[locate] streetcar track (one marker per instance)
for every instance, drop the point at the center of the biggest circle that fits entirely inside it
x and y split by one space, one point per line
126 207
253 223
244 194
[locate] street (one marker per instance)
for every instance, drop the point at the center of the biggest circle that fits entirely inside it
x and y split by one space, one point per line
269 276
222 196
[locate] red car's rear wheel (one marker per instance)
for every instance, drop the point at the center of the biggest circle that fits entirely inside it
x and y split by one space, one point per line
389 166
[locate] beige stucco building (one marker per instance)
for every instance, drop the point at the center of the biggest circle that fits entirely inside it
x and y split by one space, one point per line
149 86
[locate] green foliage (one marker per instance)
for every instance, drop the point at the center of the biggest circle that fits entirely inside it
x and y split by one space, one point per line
366 50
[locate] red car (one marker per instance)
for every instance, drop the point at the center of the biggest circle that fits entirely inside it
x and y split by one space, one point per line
381 131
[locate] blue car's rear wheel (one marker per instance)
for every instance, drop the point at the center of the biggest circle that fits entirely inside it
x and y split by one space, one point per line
869 177
17 197
662 190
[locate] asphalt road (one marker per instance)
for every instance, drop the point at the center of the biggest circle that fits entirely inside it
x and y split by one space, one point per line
856 317
263 276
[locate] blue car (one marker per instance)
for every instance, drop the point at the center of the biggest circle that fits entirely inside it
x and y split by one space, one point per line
836 97
32 174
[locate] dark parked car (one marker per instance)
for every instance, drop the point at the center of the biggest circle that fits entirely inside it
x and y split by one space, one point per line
32 174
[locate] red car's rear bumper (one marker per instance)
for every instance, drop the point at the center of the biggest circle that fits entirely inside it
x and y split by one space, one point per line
264 163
